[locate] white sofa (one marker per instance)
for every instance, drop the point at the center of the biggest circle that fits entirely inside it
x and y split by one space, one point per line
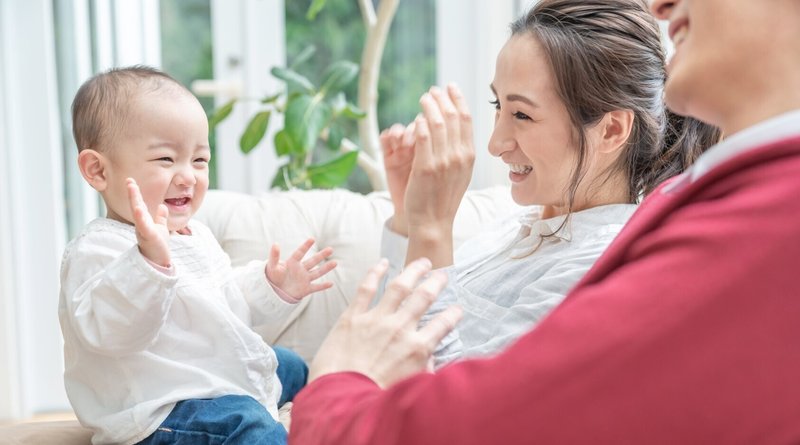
246 226
350 223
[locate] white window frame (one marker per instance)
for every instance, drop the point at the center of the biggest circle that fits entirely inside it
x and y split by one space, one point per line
9 372
32 208
34 183
248 39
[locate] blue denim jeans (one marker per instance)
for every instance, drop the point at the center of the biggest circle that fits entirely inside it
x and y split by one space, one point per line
233 419
292 372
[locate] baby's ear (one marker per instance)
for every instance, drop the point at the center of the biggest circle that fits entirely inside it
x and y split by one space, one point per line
93 168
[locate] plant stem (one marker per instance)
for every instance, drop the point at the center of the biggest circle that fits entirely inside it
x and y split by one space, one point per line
368 129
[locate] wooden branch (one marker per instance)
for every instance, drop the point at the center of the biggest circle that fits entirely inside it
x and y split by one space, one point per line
367 13
368 129
372 167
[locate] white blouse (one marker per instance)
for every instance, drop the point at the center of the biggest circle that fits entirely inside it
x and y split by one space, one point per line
137 341
510 277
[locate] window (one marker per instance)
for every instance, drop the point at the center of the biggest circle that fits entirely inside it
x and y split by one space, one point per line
44 201
409 59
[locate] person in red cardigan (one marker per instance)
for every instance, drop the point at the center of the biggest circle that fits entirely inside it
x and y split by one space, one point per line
685 331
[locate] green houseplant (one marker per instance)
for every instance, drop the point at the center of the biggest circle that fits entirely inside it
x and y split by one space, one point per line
312 117
315 141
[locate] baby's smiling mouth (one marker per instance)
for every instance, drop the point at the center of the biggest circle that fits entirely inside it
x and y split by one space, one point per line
178 202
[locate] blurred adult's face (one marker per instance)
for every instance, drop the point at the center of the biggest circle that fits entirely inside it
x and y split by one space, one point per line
731 57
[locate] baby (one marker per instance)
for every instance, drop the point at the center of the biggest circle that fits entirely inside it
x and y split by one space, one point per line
157 325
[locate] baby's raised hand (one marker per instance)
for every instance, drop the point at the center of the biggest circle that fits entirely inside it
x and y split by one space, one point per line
152 233
295 276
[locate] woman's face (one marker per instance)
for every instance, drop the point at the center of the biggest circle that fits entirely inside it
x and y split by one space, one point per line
724 53
533 133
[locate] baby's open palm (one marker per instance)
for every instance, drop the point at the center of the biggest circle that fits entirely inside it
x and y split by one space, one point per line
152 233
296 276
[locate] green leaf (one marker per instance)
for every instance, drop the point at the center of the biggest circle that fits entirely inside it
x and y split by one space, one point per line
293 79
337 76
335 136
279 181
285 145
254 132
334 173
314 9
304 55
338 103
304 120
271 99
353 112
220 114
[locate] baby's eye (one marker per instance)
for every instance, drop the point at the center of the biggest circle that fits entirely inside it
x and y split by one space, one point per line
201 160
165 159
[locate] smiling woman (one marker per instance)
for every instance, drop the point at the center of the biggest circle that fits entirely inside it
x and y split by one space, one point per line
580 121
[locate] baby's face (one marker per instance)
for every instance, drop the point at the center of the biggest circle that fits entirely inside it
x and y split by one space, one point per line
164 147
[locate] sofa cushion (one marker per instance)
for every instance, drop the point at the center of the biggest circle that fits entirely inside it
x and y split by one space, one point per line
350 223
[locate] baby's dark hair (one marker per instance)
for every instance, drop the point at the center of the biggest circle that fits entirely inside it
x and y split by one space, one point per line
101 105
607 55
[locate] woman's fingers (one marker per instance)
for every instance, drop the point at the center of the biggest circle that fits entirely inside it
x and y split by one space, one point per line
368 287
407 140
423 149
441 325
449 114
435 122
391 138
422 297
464 116
401 286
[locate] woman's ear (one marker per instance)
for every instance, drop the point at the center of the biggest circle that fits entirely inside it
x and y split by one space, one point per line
613 131
93 168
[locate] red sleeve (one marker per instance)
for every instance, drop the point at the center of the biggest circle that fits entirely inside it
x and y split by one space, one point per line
692 337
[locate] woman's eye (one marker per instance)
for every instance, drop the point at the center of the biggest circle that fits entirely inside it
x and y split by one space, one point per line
522 116
496 104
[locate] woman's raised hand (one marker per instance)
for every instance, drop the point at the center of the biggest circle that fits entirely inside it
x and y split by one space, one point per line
397 143
384 342
440 173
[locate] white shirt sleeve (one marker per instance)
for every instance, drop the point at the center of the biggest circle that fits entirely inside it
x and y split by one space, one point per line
115 301
267 308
